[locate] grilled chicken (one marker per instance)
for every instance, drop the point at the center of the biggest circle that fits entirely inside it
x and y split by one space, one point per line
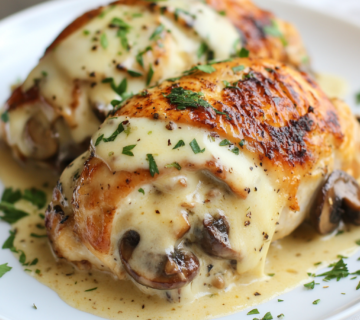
190 181
109 53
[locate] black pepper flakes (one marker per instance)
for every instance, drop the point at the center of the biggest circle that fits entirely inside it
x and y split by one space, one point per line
156 116
257 294
157 211
246 223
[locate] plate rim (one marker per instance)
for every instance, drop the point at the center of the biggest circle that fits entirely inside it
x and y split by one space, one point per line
40 8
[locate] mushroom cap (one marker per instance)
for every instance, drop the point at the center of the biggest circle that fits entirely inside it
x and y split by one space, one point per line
215 238
162 272
339 199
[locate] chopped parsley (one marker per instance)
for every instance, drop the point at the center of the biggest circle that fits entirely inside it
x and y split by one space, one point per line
267 316
202 49
37 271
358 286
34 262
357 99
134 73
244 53
34 306
207 68
195 147
120 89
104 41
36 197
235 150
152 165
357 242
271 274
187 99
139 56
310 285
4 268
11 214
220 61
124 29
242 143
173 165
317 263
338 271
5 116
178 11
273 30
238 68
180 144
222 13
316 301
279 300
11 196
127 150
9 242
86 32
98 140
92 289
224 143
112 138
149 75
156 34
34 235
253 311
281 316
141 190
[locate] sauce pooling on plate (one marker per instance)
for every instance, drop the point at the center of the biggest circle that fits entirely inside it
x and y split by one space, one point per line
287 264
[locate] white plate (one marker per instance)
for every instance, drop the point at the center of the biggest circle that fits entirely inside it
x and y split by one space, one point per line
334 48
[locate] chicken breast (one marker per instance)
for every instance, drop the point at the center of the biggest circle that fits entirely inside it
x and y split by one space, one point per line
190 181
109 53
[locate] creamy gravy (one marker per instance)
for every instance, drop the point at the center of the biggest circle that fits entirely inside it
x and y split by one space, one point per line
289 259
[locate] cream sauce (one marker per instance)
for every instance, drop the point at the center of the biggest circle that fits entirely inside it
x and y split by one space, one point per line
289 259
334 86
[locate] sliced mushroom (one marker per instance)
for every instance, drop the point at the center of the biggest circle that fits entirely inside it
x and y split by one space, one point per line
339 200
162 272
215 238
40 138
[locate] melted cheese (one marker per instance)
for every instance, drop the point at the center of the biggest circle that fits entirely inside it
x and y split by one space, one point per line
71 74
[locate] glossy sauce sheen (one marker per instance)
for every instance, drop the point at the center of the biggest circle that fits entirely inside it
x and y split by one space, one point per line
289 259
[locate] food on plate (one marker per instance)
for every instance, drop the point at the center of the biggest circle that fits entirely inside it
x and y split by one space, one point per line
110 53
190 181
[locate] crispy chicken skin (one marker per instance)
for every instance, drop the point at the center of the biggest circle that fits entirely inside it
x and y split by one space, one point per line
266 137
54 113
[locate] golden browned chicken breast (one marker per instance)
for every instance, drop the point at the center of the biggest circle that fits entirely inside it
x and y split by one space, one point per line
108 54
190 181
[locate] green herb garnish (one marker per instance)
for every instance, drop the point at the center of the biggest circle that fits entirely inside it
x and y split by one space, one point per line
5 116
34 235
139 56
317 263
338 271
127 150
120 89
195 147
207 68
104 41
244 53
152 165
157 32
180 144
279 300
36 197
149 75
141 190
11 196
98 140
11 214
271 274
124 29
9 242
92 289
253 311
173 165
202 49
281 316
242 143
224 143
112 138
4 268
357 99
238 68
187 99
134 73
267 316
310 285
316 301
273 30
357 242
